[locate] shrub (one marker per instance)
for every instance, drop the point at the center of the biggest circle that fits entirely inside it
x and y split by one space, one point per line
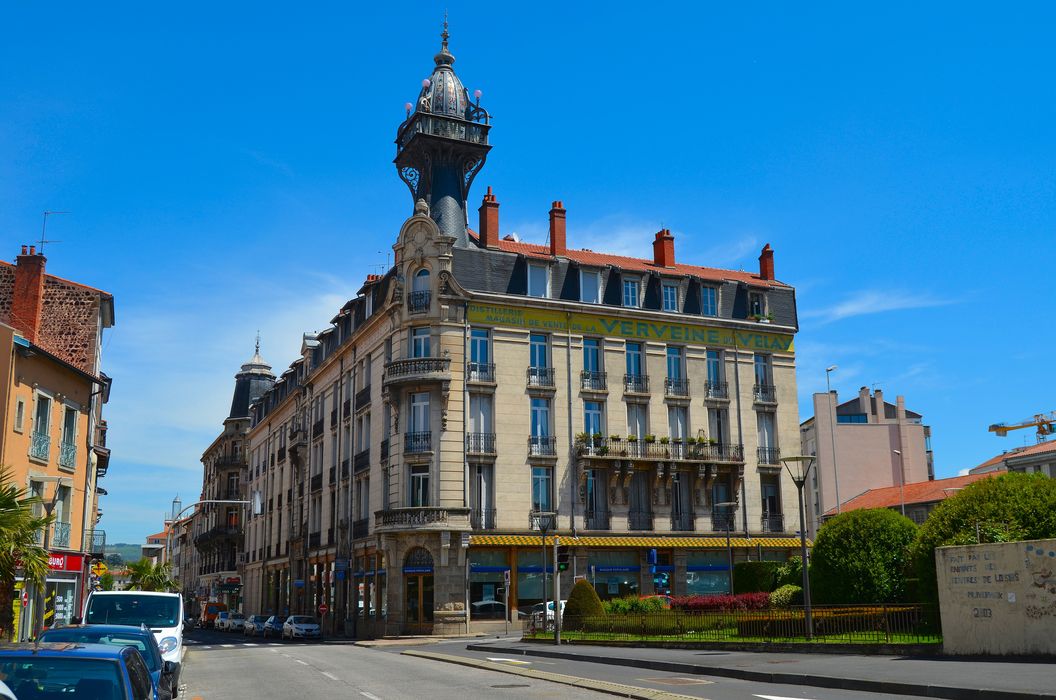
722 603
1007 508
632 605
582 602
754 576
861 556
789 573
786 596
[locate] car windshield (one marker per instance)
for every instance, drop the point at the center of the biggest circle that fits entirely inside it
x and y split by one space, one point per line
87 635
132 609
302 620
236 616
48 676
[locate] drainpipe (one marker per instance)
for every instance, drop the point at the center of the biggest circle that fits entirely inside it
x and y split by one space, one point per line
465 401
740 432
572 465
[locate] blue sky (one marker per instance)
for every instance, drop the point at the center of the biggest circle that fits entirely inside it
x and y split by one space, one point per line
228 166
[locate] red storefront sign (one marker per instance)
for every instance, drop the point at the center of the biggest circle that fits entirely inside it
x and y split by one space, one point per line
63 561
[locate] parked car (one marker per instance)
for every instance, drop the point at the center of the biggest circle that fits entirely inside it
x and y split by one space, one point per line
209 613
97 671
273 627
220 621
254 625
234 623
141 638
161 612
301 627
488 610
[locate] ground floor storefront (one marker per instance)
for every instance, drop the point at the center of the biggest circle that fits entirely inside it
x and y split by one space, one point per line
57 604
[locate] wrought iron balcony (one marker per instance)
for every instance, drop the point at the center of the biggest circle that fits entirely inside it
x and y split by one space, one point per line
429 517
597 519
282 454
60 535
716 391
298 436
770 456
682 521
765 393
333 418
218 534
482 519
314 538
662 449
346 408
640 520
316 483
418 302
40 447
360 528
417 442
542 446
593 381
363 397
542 377
383 453
723 522
676 387
636 383
361 461
230 461
480 443
344 468
418 369
481 372
317 428
773 522
95 541
67 455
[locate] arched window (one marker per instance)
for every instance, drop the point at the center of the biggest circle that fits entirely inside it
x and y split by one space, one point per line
418 300
421 280
418 558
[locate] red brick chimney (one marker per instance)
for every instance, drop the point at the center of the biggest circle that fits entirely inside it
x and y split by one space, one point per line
766 263
557 229
27 301
664 248
489 220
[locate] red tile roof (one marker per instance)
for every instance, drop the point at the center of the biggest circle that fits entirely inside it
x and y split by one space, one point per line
1040 448
589 257
919 492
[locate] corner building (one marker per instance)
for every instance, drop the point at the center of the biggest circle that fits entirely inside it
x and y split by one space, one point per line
482 379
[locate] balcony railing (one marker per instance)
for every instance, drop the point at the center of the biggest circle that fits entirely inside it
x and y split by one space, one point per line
542 446
716 390
541 377
773 522
40 448
282 453
60 535
317 428
721 522
361 461
481 371
682 521
235 461
333 418
415 369
67 455
344 468
220 532
314 538
640 520
676 387
636 383
346 407
482 519
363 397
94 541
417 517
418 302
383 452
417 442
765 393
597 519
480 443
360 528
593 381
686 449
769 455
316 483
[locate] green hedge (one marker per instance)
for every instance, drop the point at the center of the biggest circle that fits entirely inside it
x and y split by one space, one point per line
754 576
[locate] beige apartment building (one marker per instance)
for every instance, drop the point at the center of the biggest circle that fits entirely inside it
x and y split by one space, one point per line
877 444
401 460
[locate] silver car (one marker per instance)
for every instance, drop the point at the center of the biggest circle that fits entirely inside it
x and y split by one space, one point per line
301 627
254 625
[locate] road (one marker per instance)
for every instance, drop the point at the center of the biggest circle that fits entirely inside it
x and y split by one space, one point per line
229 666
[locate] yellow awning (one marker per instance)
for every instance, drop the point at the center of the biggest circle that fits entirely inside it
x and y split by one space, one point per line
657 542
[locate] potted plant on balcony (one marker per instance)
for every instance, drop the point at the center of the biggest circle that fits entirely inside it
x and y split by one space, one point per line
650 438
665 441
614 441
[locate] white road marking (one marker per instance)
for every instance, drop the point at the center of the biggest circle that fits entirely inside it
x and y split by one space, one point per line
369 696
302 663
509 661
776 697
331 676
251 644
228 646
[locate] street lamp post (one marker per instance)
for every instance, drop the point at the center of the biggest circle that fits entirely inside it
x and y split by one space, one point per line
901 481
729 548
832 434
545 520
41 593
798 467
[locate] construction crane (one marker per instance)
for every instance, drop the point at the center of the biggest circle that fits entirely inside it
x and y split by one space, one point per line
1044 422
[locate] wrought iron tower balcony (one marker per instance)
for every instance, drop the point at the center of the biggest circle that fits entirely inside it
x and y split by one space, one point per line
416 370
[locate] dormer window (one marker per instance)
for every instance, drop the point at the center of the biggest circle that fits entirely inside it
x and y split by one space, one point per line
590 286
632 292
538 280
709 301
670 297
756 304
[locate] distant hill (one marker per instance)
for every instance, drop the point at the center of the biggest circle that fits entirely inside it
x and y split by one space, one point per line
128 552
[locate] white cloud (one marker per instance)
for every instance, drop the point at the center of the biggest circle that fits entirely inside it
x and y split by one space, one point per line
872 302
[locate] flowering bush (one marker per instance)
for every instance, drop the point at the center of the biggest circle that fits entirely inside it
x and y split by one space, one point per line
722 603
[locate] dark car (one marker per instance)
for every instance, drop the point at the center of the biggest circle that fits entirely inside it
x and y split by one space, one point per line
96 671
273 626
123 636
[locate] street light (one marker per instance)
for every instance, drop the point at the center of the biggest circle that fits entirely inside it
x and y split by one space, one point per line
49 507
901 481
546 520
729 549
832 433
798 467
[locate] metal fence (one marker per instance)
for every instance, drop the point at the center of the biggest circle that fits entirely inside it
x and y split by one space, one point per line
853 624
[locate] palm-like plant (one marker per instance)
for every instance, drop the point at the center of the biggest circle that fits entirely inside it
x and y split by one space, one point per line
20 544
145 575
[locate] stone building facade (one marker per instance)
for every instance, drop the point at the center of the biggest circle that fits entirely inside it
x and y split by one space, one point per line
402 461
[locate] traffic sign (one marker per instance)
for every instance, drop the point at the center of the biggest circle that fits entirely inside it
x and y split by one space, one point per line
99 568
506 577
323 609
25 599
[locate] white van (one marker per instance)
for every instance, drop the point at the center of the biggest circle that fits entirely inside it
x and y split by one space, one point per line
161 612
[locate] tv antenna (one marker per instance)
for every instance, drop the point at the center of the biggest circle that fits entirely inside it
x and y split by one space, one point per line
44 230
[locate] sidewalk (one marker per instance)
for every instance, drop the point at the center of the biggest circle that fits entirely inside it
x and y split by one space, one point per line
968 679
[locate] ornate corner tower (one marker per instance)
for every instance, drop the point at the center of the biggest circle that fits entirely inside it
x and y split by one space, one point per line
442 145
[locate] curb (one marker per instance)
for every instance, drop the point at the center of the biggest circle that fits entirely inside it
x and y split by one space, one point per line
833 682
623 691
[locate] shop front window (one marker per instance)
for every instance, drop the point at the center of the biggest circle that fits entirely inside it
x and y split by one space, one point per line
707 573
530 579
486 582
614 574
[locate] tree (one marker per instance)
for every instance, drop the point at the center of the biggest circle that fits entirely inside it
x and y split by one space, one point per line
20 531
583 601
106 581
861 556
1006 508
115 560
145 575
